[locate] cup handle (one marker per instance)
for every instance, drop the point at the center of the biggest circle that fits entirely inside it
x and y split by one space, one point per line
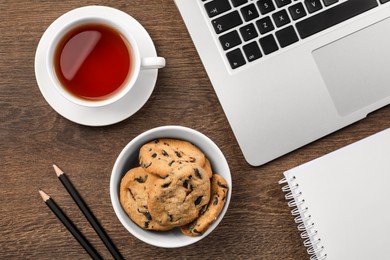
152 63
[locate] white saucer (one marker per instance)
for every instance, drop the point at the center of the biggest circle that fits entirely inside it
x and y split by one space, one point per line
106 115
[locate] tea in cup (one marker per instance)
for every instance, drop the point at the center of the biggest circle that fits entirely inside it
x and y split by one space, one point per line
94 60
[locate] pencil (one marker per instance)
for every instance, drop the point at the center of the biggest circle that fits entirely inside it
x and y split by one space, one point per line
87 212
69 225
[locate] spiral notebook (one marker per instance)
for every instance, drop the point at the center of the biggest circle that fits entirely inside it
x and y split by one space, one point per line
341 201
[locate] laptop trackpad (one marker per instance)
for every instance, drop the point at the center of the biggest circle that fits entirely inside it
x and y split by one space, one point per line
356 68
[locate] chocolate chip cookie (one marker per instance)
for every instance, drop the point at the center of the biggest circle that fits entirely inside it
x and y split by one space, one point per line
178 198
219 188
133 197
161 155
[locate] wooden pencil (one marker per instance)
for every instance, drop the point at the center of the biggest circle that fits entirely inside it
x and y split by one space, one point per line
69 225
87 212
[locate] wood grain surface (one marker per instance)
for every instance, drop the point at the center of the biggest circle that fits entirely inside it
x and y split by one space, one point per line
258 223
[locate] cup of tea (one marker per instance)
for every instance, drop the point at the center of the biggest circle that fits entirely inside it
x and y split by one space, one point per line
93 59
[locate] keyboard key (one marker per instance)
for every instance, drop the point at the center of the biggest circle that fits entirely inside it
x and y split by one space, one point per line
249 12
297 11
265 6
286 36
265 25
230 40
252 51
217 7
235 58
281 18
239 2
268 44
248 32
281 3
333 16
313 5
226 22
330 2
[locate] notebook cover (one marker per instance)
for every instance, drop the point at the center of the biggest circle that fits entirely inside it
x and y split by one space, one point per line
342 200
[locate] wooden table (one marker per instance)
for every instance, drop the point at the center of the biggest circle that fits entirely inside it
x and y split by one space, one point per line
258 224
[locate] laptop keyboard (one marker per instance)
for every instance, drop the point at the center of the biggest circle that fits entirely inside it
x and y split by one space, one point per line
251 29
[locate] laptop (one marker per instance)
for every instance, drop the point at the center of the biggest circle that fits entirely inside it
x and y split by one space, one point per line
288 72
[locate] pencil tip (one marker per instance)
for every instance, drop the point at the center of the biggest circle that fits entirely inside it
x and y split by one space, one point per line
57 170
44 196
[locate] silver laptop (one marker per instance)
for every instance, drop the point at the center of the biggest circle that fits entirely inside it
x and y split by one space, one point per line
288 72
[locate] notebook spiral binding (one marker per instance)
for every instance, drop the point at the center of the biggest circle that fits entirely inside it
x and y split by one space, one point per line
312 241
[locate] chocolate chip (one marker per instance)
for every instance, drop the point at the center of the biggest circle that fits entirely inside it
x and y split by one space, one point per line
140 179
188 186
178 154
196 232
222 185
146 224
203 209
198 200
131 193
170 218
197 173
192 159
164 153
192 225
215 202
154 155
172 162
146 165
165 185
156 141
146 214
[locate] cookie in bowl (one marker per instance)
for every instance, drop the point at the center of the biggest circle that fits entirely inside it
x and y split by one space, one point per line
178 198
134 196
156 224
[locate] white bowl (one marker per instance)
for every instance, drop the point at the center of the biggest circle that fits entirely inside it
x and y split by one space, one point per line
128 159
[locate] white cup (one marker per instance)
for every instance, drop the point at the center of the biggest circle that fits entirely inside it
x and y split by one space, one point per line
109 17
